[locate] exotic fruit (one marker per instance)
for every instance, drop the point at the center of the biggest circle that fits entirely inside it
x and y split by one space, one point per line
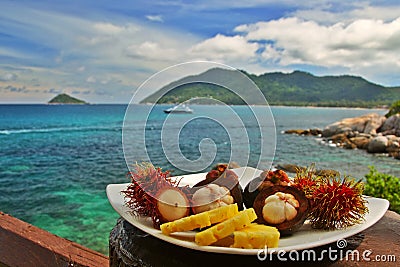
153 193
221 187
210 197
266 179
337 204
217 170
307 181
283 207
172 204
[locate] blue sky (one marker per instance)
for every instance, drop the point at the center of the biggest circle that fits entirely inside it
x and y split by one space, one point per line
102 51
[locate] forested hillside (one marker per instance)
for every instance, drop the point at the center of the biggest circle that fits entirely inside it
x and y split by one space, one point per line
296 88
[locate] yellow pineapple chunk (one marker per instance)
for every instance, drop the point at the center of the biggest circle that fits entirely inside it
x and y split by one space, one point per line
200 220
225 228
256 236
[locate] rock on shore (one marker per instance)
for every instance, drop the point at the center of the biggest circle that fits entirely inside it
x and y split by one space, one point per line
292 168
391 126
372 132
368 124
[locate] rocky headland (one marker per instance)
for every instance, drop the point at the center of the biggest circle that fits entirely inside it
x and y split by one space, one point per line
372 132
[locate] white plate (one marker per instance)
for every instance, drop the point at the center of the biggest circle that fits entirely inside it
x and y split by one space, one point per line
305 238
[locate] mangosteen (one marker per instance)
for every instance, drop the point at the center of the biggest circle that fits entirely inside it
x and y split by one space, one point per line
216 190
283 207
266 179
251 191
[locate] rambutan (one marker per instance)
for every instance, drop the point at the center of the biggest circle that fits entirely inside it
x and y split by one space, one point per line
337 203
147 185
307 181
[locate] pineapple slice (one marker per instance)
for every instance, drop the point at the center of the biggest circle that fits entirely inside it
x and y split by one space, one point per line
200 220
256 236
225 228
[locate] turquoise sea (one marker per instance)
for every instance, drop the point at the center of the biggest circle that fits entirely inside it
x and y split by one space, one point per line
56 160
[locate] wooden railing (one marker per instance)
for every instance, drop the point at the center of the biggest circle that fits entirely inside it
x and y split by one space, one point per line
22 244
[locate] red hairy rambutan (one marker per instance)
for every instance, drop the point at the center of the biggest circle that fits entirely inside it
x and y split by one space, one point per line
307 181
147 182
337 204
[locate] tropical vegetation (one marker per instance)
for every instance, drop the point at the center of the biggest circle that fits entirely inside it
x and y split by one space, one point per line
394 109
383 186
297 88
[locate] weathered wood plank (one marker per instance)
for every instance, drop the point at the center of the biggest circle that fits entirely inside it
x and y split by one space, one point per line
22 244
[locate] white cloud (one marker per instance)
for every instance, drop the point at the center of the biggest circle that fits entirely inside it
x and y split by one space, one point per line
361 43
385 13
156 18
107 28
153 51
225 48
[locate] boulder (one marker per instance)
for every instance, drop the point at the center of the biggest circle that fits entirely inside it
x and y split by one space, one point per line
296 131
349 145
327 173
292 168
340 139
315 131
368 123
374 124
378 144
393 137
391 125
393 146
361 142
334 128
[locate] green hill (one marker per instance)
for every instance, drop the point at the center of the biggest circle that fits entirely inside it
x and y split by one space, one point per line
296 88
65 99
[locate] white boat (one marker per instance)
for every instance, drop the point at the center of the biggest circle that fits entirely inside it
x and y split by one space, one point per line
179 109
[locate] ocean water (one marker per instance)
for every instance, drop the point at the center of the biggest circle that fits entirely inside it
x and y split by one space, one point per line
56 160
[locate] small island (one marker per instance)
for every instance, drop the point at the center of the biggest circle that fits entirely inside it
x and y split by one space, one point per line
65 99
